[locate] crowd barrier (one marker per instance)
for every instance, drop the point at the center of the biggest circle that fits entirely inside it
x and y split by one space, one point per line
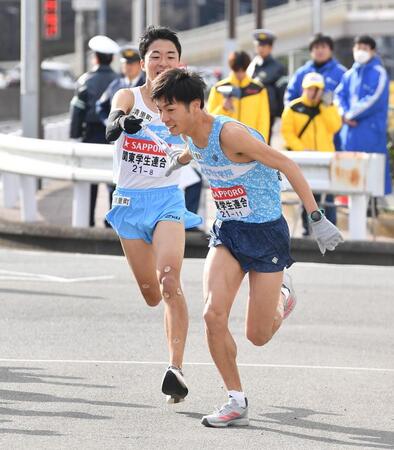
23 160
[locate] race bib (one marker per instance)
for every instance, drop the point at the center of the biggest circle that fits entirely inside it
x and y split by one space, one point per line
144 157
231 202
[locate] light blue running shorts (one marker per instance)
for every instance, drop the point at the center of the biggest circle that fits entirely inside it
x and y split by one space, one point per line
135 212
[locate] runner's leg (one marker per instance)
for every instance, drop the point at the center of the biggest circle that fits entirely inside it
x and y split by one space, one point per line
169 247
142 262
265 306
222 278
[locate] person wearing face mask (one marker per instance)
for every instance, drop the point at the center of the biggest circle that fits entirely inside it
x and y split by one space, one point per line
310 123
362 98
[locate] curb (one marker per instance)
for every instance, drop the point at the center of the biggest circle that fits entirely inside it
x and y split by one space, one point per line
40 236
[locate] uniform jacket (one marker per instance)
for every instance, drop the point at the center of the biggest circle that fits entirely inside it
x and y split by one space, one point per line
363 96
250 103
273 76
103 104
319 134
85 122
332 72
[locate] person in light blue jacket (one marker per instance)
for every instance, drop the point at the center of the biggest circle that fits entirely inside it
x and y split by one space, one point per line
362 97
321 49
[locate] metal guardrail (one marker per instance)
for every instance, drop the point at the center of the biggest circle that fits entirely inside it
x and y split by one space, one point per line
23 160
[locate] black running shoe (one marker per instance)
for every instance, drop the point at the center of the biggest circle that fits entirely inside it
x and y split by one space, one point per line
174 385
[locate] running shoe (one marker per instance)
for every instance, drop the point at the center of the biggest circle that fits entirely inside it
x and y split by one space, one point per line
174 385
230 414
291 299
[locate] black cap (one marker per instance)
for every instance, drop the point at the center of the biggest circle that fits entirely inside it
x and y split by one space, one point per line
264 36
129 55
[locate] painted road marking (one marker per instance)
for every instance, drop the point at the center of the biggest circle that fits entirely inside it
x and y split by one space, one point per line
279 366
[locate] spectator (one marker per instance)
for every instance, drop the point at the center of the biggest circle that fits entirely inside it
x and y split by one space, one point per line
363 103
270 73
132 76
240 97
85 123
309 123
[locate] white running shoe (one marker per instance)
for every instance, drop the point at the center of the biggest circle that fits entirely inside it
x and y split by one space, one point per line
230 414
174 385
291 300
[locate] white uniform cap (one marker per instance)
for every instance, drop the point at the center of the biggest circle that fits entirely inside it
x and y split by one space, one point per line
103 44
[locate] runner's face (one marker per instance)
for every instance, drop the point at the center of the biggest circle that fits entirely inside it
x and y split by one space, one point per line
161 55
176 116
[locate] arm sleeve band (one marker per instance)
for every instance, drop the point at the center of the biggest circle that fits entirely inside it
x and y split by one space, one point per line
113 129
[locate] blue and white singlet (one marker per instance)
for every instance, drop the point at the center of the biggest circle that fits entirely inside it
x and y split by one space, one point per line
249 192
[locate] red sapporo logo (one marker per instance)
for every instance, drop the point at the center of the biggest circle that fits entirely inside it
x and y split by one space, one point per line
142 146
228 193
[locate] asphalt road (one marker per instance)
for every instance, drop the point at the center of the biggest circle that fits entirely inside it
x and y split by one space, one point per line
81 361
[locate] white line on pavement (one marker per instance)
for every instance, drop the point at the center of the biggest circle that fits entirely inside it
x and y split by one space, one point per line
11 275
279 366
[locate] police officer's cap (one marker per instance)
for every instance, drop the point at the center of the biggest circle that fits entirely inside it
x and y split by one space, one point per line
263 36
103 44
129 54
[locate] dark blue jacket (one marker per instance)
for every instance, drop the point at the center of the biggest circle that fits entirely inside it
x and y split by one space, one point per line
103 104
85 123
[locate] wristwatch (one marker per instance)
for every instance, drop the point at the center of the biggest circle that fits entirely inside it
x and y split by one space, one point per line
316 215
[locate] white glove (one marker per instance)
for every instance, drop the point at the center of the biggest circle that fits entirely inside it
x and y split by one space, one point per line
326 234
174 161
173 152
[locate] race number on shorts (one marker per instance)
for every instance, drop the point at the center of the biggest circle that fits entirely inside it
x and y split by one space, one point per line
231 202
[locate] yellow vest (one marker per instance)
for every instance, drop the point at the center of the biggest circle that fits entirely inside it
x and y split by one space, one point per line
319 135
252 106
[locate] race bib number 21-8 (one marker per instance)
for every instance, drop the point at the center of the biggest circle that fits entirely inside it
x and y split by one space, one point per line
231 202
144 157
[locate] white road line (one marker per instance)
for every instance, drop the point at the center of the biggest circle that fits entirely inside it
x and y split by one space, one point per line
11 275
155 363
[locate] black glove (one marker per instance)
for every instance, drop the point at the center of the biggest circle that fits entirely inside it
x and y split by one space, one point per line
130 124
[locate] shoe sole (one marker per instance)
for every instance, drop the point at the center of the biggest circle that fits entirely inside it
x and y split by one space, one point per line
173 388
243 422
173 399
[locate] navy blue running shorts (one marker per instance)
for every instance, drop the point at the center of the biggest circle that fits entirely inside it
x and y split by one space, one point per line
262 247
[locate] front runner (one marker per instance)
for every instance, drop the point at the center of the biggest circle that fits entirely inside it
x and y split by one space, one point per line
147 206
249 234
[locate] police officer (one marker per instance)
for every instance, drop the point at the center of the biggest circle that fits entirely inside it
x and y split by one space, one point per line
132 75
269 71
85 124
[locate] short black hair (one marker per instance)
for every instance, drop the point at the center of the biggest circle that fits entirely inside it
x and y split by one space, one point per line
238 61
179 85
104 59
320 38
365 39
154 33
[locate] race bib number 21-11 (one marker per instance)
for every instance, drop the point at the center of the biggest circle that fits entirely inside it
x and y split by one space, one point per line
231 202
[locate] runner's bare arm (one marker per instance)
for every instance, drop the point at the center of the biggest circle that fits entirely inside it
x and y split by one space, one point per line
240 146
123 100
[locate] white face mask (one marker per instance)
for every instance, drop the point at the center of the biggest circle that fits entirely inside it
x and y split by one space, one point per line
361 56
